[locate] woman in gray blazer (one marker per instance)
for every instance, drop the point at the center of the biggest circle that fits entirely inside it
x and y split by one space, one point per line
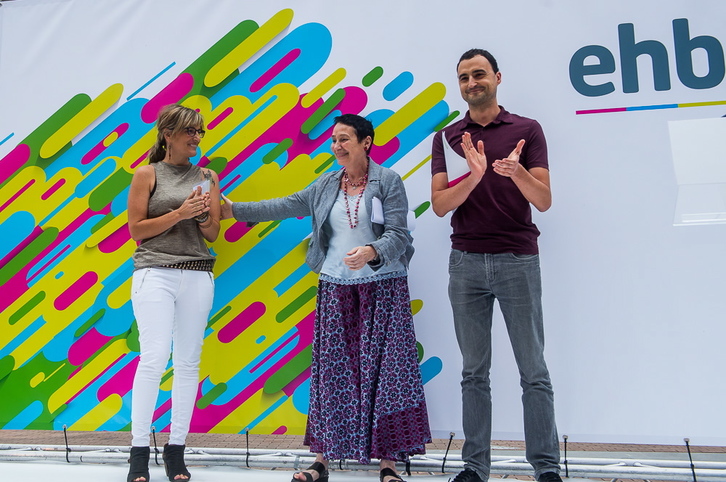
366 395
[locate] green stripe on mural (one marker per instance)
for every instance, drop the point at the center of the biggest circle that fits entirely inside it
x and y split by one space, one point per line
422 208
269 228
24 258
277 151
23 310
91 321
325 164
211 396
104 221
446 121
109 189
325 109
290 371
219 315
285 313
372 76
214 54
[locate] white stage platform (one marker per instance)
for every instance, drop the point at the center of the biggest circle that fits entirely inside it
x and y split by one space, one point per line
42 470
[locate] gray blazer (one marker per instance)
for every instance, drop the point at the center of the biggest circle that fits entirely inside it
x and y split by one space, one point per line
394 240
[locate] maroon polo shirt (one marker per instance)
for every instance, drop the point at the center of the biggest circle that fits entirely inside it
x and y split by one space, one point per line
496 217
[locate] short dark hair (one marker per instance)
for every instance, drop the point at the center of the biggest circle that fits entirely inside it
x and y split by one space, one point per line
363 127
471 53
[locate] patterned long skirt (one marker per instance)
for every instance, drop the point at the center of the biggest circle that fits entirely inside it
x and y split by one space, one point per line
366 395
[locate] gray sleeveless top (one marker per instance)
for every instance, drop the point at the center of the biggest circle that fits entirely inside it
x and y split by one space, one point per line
184 241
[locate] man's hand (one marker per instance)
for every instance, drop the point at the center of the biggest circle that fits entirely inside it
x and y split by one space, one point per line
475 157
508 167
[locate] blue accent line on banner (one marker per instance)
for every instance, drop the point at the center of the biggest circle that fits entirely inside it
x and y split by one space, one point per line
163 71
6 139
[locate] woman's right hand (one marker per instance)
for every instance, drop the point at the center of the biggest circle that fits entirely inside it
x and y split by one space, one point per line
194 205
226 207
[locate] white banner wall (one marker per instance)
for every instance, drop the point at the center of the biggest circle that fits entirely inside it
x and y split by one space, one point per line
632 100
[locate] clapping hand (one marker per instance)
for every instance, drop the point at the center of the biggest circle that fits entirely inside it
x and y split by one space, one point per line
508 167
475 157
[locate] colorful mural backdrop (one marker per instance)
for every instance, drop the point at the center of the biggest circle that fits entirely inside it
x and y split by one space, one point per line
68 340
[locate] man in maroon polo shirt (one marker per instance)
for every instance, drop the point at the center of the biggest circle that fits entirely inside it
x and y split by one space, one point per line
488 168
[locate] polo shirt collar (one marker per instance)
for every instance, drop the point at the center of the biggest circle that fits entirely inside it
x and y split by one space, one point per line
503 117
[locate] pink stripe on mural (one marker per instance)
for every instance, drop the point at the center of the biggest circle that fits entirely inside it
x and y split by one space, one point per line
165 407
51 261
17 249
290 388
85 346
17 194
354 102
281 65
13 161
115 240
18 284
76 290
210 416
203 161
236 231
101 146
456 181
171 94
139 160
121 382
52 189
280 430
241 322
215 122
103 372
274 352
381 154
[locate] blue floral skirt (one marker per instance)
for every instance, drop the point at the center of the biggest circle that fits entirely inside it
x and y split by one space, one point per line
366 395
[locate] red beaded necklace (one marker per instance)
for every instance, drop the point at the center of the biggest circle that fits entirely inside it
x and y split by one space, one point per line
353 220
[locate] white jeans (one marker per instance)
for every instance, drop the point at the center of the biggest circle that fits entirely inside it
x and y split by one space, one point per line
171 306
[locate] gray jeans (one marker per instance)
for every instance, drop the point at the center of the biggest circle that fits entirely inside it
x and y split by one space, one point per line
475 281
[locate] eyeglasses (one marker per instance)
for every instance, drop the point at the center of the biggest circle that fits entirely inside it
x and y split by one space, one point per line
191 132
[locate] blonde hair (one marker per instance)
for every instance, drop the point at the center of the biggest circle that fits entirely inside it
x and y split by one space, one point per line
172 119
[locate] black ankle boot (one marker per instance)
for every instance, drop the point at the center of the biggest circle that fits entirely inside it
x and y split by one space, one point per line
174 462
139 464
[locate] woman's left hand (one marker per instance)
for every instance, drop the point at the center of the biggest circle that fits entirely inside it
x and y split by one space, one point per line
359 256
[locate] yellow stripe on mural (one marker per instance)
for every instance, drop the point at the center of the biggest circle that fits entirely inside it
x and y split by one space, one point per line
32 182
82 120
278 101
120 295
249 47
94 368
99 414
409 113
323 88
107 230
137 150
246 412
416 168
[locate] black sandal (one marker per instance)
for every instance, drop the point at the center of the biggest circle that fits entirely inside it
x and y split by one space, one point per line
174 462
390 473
318 467
139 464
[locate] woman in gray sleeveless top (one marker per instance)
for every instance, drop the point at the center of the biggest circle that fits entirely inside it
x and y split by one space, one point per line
173 211
366 394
